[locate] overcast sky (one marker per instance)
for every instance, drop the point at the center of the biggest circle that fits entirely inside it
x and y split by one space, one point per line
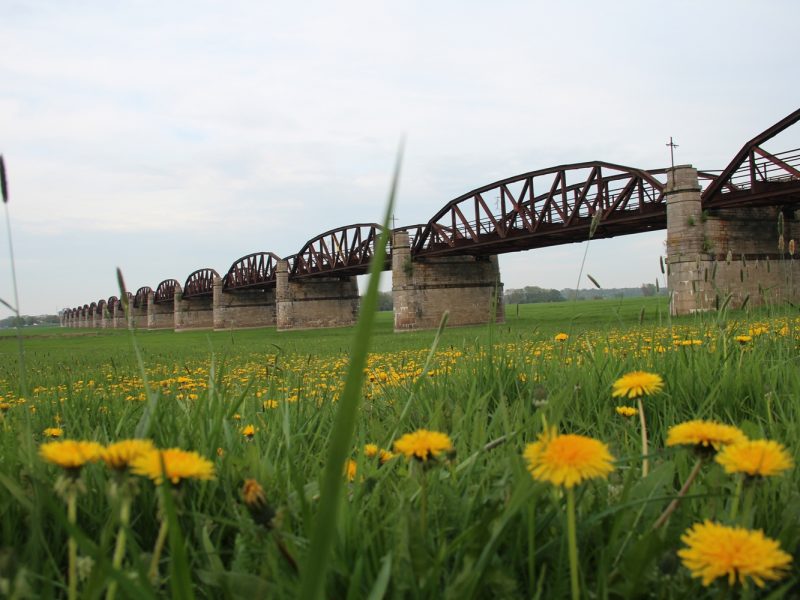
162 137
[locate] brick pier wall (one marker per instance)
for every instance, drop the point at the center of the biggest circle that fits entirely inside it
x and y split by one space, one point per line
423 289
195 313
726 256
160 316
245 308
315 302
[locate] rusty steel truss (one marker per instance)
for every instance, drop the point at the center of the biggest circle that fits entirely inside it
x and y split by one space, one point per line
757 177
141 298
341 252
165 292
544 208
252 272
200 284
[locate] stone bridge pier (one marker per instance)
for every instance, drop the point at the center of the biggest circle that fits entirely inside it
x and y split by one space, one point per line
733 256
469 287
243 308
160 315
193 313
314 302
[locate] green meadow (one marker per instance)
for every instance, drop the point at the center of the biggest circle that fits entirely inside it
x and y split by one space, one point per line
264 410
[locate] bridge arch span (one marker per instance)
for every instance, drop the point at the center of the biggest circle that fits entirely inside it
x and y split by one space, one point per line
254 271
200 284
165 291
546 207
342 251
140 299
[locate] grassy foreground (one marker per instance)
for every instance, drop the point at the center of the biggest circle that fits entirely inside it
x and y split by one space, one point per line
471 523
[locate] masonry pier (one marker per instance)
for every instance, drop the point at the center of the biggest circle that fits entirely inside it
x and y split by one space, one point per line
242 309
733 256
466 286
314 302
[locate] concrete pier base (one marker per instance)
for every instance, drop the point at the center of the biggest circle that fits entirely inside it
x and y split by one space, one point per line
160 316
468 287
314 302
194 313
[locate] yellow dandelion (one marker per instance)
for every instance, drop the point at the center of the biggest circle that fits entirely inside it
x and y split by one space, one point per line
637 384
744 339
178 464
249 431
567 460
561 337
704 434
762 458
350 469
715 550
220 452
371 450
70 454
627 411
53 432
252 493
121 454
423 444
5 406
385 456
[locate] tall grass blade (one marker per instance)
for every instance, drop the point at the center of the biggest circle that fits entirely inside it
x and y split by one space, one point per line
316 565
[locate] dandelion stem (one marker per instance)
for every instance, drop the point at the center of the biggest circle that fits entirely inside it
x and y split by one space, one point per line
119 549
674 504
72 545
645 449
159 547
747 510
736 496
572 540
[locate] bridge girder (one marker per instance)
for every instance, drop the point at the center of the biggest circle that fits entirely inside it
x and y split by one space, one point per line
200 283
342 251
165 291
598 197
140 299
756 176
254 271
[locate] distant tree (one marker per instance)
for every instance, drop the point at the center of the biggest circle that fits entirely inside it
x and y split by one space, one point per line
385 301
648 289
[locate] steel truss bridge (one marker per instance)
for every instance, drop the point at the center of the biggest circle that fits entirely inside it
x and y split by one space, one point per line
546 207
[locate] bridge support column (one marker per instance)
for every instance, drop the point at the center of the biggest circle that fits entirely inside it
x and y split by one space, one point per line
469 287
689 266
730 256
160 316
314 302
194 313
139 316
243 308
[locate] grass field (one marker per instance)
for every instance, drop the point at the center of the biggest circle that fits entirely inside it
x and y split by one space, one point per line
472 522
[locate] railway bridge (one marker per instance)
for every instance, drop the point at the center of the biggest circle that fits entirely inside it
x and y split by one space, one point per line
730 239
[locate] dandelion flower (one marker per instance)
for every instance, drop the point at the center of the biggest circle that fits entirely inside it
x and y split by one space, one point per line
248 431
744 339
627 411
371 450
567 460
53 432
715 550
637 384
423 444
252 493
350 469
755 458
71 454
385 456
704 434
561 337
178 464
121 454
